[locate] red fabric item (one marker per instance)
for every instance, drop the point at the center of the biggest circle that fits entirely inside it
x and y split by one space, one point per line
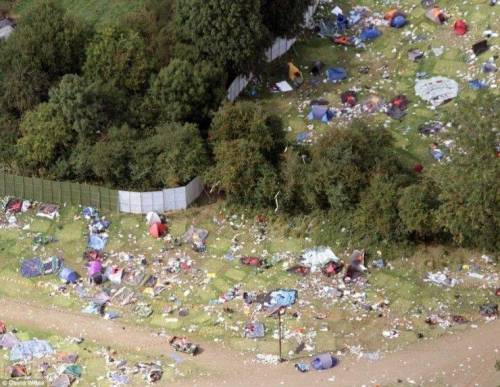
418 168
158 230
460 27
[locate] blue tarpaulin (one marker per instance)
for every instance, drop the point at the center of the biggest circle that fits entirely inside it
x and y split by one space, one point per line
27 350
320 113
68 275
369 33
97 242
398 21
477 84
283 297
336 74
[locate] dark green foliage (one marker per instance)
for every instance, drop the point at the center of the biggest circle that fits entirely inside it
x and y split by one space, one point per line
376 219
284 17
46 45
418 207
184 92
9 133
247 144
228 33
298 189
153 22
468 183
118 57
344 160
173 156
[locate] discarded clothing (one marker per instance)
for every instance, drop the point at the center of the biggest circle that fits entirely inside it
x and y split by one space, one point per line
251 261
477 84
488 310
254 330
440 278
89 213
300 270
27 350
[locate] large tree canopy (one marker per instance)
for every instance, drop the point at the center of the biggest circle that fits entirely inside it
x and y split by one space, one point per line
228 33
47 44
284 17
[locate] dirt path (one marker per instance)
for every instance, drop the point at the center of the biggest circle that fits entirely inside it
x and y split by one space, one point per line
462 359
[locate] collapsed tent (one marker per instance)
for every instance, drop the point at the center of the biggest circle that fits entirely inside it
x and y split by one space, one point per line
197 237
293 72
336 74
460 27
436 15
320 113
97 241
395 18
251 261
69 275
49 211
14 206
281 297
89 213
332 268
317 257
158 230
35 267
323 361
480 47
372 104
356 266
397 107
8 340
369 33
436 90
27 350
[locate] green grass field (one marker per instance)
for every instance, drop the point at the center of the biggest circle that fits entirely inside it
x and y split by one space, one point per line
97 12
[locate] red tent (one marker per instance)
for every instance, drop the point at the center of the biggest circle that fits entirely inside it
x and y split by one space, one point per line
157 230
460 27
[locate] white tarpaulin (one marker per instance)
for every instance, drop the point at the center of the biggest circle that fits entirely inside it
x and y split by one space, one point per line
284 86
436 90
318 257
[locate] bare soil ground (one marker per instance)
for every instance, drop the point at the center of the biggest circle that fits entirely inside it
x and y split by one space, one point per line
466 358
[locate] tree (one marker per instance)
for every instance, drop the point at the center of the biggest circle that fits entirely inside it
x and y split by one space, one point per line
48 43
173 156
45 143
418 207
118 57
284 17
376 219
228 33
343 162
247 145
112 155
468 183
184 92
154 23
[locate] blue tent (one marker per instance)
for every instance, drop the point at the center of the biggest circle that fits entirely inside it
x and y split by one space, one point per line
336 74
69 275
97 242
323 361
320 113
398 21
369 33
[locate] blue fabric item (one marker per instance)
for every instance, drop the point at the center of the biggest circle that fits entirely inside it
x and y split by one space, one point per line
398 21
437 154
354 17
89 212
302 137
476 84
342 22
98 226
68 275
320 113
302 367
97 242
119 378
283 297
324 361
336 74
27 350
254 330
31 267
369 33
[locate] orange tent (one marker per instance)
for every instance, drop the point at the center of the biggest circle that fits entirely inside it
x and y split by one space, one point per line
158 230
389 15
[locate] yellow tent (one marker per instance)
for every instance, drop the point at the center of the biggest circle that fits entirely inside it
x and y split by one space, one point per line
293 72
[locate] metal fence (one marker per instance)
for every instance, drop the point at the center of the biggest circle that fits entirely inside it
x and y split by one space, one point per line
59 192
165 200
279 47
